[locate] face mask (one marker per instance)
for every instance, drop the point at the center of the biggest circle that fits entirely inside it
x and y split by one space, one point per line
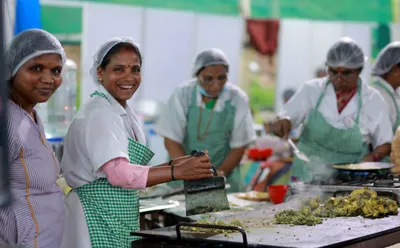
204 93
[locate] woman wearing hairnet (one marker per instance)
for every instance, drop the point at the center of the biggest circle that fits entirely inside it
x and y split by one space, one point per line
209 113
34 61
342 116
387 79
104 154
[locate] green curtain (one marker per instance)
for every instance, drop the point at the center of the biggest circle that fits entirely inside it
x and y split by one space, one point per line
381 37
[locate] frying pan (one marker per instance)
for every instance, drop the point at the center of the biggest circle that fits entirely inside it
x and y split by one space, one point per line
367 166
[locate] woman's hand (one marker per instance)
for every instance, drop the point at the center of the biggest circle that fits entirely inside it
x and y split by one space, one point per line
183 159
194 168
367 159
378 153
282 128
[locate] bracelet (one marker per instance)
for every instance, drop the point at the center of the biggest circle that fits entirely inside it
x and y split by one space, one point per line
170 162
172 173
375 157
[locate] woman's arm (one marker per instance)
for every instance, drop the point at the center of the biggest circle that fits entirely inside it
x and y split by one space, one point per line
379 127
378 153
121 173
172 122
174 148
231 161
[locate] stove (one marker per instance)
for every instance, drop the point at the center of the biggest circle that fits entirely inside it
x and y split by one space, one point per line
347 181
363 179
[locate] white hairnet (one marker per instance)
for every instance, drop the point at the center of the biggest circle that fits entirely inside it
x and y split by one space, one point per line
212 56
27 45
387 58
103 50
345 53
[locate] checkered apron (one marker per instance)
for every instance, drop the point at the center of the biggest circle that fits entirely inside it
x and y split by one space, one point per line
113 212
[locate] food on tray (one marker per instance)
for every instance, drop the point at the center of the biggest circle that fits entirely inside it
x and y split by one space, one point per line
236 223
253 196
313 203
301 217
361 202
363 166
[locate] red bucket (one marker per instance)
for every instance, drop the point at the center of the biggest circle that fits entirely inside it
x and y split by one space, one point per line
277 193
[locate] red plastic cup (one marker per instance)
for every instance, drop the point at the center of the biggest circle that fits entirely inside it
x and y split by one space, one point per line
254 153
277 193
266 153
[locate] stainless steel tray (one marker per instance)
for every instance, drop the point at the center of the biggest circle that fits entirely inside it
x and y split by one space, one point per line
332 232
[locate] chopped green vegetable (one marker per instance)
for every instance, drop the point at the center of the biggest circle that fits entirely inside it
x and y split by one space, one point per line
361 202
294 217
235 223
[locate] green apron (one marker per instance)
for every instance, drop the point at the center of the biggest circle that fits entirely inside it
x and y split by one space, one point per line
113 212
379 84
216 141
326 145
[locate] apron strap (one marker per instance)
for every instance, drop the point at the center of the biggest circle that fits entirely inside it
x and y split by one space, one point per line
97 93
359 100
380 84
194 96
321 96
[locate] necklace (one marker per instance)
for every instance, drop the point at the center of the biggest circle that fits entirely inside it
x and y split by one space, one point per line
199 136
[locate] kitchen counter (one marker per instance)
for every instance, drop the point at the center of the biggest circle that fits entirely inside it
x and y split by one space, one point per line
237 206
335 232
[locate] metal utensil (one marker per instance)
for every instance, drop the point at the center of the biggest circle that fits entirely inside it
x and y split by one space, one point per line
205 195
297 152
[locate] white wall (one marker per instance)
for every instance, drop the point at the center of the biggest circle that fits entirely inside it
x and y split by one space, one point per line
303 46
169 41
100 23
395 29
225 33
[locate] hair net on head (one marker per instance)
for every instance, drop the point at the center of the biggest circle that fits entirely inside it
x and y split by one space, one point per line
27 45
387 58
345 53
209 57
102 51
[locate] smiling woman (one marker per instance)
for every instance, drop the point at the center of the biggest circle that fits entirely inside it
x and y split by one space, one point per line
104 153
34 61
121 58
37 80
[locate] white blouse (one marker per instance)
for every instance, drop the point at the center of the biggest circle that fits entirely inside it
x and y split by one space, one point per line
98 134
388 99
172 122
374 119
